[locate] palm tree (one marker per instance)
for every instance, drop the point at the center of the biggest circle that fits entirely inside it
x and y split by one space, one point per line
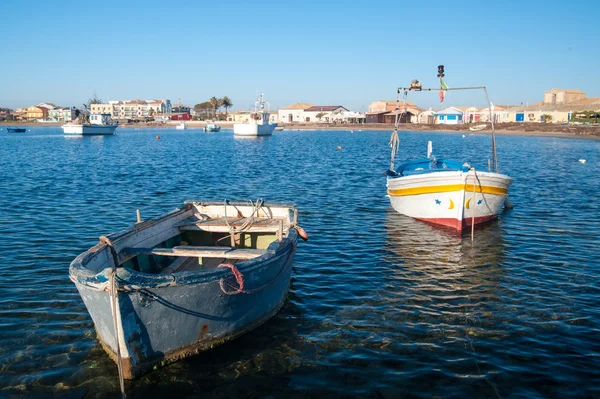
215 104
226 102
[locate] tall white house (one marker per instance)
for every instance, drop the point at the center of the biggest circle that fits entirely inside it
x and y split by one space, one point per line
131 109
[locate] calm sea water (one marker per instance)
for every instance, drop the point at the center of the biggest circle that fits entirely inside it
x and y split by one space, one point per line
380 305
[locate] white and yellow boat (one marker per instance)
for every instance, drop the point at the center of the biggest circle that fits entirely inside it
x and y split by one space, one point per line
445 192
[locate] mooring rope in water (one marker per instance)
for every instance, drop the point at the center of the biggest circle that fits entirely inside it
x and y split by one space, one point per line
113 296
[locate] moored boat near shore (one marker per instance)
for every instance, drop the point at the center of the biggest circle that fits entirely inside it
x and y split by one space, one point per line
259 123
181 126
99 125
477 128
195 277
16 130
446 192
212 127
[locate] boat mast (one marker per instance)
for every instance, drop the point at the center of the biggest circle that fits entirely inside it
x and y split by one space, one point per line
443 88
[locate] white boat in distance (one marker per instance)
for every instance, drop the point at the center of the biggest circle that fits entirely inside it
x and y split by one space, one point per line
477 128
181 126
100 125
259 123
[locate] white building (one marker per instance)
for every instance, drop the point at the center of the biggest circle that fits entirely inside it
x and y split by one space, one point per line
62 114
426 117
349 117
132 109
323 113
308 113
293 113
449 116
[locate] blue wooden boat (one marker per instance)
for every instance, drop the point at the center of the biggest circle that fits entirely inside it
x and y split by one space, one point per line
212 127
196 277
16 130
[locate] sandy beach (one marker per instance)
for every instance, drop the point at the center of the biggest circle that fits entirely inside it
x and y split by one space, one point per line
510 129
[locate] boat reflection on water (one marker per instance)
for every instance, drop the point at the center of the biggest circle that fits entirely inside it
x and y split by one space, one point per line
441 268
423 245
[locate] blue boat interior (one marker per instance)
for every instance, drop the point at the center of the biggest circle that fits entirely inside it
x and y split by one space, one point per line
428 165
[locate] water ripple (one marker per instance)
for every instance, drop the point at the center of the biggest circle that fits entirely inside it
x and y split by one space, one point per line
380 305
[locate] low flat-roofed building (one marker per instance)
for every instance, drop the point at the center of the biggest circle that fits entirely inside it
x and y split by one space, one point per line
449 116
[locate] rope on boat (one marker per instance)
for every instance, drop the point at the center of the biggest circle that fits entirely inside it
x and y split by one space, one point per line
113 297
247 223
239 278
240 281
473 207
395 140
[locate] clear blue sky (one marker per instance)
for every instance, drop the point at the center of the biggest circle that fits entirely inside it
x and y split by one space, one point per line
321 52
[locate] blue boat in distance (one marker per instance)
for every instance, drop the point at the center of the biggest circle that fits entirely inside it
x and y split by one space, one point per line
16 129
212 127
198 276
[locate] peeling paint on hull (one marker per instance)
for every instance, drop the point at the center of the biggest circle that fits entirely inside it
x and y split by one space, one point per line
130 372
159 325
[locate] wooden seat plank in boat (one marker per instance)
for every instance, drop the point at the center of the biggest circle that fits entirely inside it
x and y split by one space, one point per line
222 225
200 252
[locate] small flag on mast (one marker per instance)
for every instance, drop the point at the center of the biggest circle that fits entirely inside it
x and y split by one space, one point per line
443 89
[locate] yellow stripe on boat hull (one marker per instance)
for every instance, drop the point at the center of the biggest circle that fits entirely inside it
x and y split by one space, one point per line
401 192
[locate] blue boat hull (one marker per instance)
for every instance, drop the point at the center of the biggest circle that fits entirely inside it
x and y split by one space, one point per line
161 318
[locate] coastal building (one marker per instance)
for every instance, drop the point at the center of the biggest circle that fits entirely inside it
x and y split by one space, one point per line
539 113
5 113
62 114
449 116
132 109
562 96
323 113
310 113
349 117
426 117
180 116
180 108
388 106
402 115
474 114
559 106
240 116
385 111
102 109
37 112
20 114
293 113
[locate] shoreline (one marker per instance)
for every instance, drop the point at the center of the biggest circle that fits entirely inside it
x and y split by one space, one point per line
585 132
